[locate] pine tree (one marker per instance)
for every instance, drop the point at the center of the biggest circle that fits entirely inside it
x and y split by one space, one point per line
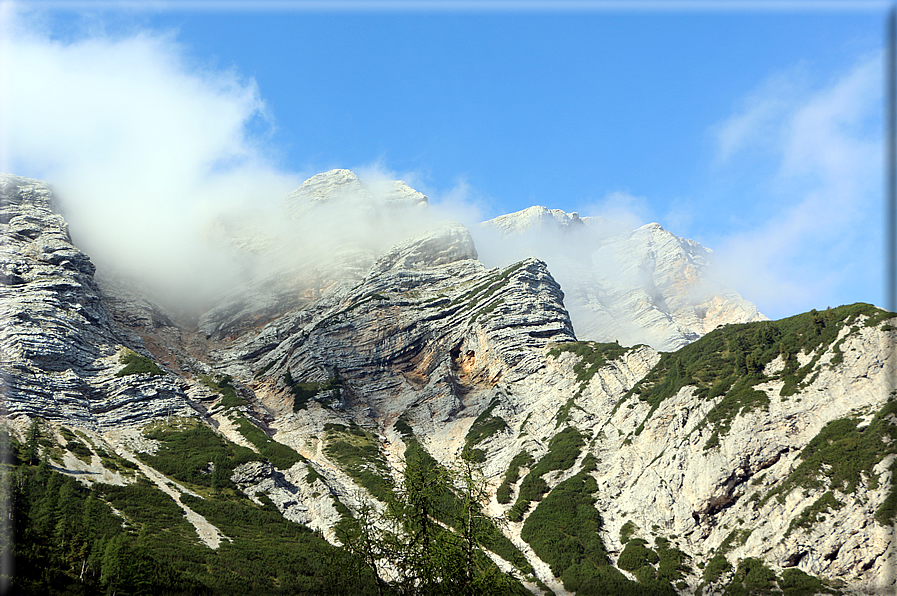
431 533
32 446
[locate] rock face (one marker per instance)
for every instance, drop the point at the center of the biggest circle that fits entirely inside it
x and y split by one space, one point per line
636 286
60 345
427 322
416 339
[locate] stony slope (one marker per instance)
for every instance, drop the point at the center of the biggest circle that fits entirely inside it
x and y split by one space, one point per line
710 448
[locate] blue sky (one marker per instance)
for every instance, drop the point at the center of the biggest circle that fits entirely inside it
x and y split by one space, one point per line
756 132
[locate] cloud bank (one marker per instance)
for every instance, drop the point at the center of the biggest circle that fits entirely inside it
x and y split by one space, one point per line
143 148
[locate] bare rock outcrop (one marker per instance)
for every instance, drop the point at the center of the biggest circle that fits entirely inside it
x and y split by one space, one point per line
60 345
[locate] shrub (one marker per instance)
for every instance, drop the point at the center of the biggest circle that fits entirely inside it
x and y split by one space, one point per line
186 454
357 453
280 455
729 361
229 397
137 365
482 428
636 555
715 569
563 449
512 475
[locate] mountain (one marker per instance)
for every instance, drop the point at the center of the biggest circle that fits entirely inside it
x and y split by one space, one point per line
634 286
756 456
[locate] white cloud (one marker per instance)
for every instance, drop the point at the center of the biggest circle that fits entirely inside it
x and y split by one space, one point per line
821 242
621 206
141 147
757 124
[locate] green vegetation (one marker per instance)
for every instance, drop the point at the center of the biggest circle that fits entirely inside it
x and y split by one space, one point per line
68 540
563 449
137 364
403 427
735 538
493 283
636 555
795 582
73 445
673 563
715 569
305 391
116 463
839 457
813 513
482 428
431 533
331 319
196 455
297 559
563 530
264 369
357 453
512 475
229 397
281 456
730 361
486 311
593 355
417 457
627 531
752 577
563 414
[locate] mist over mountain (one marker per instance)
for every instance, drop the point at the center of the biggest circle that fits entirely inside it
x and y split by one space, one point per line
640 427
634 286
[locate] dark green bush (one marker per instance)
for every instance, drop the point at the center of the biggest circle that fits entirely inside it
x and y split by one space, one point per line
280 455
303 392
795 582
715 569
729 361
841 454
137 365
358 454
229 397
185 454
563 449
512 475
752 577
636 555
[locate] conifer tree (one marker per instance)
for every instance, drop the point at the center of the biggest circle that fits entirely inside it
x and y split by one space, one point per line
430 537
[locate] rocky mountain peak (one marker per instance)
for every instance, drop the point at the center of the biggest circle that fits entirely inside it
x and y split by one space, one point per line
642 286
535 217
445 244
342 189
